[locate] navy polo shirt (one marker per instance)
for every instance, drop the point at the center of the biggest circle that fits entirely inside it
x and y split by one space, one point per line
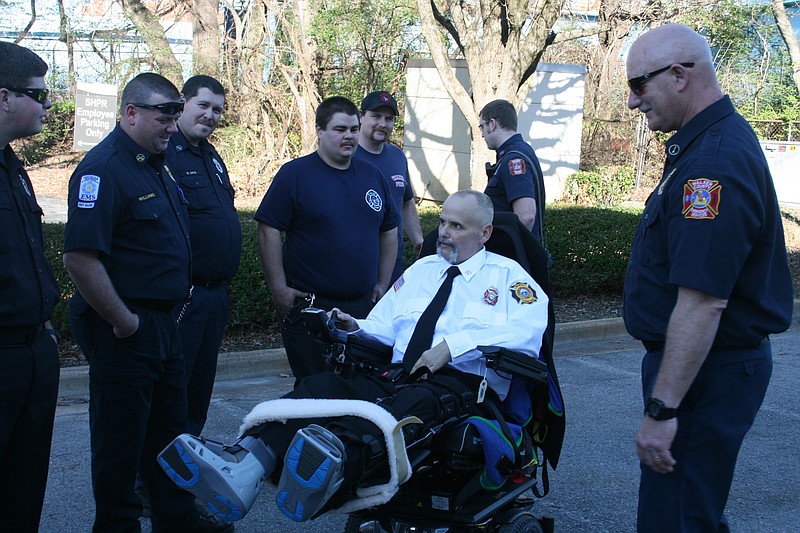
713 224
393 164
28 289
125 204
214 226
332 220
515 177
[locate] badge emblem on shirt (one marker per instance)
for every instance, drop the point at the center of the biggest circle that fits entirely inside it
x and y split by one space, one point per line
218 165
374 200
523 292
399 181
140 158
89 188
701 199
491 296
399 283
516 166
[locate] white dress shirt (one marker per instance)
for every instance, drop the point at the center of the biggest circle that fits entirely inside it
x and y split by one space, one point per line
494 302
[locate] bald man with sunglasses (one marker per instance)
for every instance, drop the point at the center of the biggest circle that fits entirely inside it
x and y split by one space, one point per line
127 248
707 283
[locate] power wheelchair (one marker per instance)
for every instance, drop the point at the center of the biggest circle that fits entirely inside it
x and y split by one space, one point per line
464 473
451 488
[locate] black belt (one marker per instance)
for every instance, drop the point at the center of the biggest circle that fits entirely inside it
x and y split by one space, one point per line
349 298
208 284
157 305
15 336
658 346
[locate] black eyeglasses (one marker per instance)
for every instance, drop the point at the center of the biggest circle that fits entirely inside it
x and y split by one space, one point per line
40 95
482 124
168 108
637 84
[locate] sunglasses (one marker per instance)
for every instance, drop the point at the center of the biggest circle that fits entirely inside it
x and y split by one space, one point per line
168 108
637 84
40 95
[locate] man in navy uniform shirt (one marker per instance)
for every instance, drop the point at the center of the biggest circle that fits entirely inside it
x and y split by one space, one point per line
708 281
515 180
127 248
378 115
216 236
28 293
340 224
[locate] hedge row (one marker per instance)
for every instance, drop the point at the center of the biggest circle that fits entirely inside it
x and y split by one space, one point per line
590 248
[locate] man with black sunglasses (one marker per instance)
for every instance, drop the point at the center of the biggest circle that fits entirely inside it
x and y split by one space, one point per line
126 247
28 293
707 283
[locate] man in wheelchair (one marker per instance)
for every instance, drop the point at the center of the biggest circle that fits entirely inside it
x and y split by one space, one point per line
322 448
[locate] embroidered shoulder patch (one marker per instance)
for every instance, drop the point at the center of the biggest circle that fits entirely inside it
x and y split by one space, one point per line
522 292
701 198
516 166
89 188
399 283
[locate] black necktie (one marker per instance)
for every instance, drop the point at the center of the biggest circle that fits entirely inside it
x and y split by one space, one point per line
422 337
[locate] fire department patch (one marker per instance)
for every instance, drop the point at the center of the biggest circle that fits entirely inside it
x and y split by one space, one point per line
490 296
523 293
516 166
701 198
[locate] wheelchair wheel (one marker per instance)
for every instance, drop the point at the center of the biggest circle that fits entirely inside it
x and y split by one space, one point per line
523 523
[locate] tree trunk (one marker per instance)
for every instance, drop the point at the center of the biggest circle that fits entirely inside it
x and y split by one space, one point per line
789 37
206 37
66 37
155 38
501 41
27 28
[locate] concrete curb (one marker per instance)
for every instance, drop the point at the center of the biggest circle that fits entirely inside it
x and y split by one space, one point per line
232 365
75 380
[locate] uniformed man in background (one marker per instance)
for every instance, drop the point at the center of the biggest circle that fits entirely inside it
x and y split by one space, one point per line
28 293
216 236
127 249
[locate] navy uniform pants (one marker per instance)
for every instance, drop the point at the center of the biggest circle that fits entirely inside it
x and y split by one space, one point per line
28 396
137 405
714 417
304 352
201 331
447 393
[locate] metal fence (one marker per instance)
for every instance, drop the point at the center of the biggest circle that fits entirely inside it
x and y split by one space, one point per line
776 130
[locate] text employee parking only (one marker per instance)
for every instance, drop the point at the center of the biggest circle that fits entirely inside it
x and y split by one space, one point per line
95 113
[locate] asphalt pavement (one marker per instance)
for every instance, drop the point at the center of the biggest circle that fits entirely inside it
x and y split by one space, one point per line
594 488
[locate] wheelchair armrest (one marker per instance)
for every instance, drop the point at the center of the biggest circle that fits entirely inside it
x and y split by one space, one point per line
367 349
515 363
322 327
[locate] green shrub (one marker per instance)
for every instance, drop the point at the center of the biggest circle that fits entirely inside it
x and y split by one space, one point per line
590 248
601 187
251 300
58 130
53 235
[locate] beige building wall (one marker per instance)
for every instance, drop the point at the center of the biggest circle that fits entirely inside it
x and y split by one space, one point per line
436 138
